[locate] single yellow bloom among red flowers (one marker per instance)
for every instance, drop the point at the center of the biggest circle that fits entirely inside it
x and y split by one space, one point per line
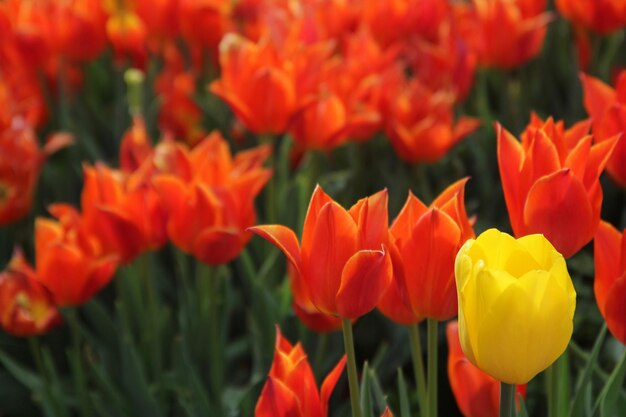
26 306
342 266
551 182
609 254
427 241
291 390
477 394
516 304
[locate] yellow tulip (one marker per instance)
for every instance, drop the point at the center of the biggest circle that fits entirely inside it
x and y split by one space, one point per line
516 304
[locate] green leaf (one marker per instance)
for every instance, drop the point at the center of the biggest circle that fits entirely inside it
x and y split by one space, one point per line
366 400
577 407
405 407
610 392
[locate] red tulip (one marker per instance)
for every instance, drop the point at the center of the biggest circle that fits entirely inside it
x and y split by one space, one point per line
342 267
69 260
291 390
26 306
427 241
607 108
602 16
477 394
551 182
209 196
609 256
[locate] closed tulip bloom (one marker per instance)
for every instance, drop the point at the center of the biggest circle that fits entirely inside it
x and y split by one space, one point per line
70 261
427 241
610 281
26 306
209 196
602 16
551 182
477 394
290 389
516 304
607 107
342 265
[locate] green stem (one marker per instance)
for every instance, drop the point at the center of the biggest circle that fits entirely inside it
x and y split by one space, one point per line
551 390
35 349
153 328
507 400
418 365
432 368
77 357
353 382
215 352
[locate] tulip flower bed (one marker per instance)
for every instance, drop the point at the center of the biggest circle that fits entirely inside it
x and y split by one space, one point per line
319 208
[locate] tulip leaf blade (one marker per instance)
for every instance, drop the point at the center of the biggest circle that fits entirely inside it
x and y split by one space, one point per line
577 408
366 399
405 406
609 395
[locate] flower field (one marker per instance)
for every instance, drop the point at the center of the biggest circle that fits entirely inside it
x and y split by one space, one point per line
312 208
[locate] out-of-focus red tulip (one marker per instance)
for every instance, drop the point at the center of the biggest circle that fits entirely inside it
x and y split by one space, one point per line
420 122
427 241
602 16
69 260
128 35
525 22
551 181
477 394
135 147
609 255
342 267
256 83
607 108
26 306
20 164
127 215
211 15
209 196
290 389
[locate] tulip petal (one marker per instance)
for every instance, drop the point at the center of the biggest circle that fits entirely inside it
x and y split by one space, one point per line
284 239
334 241
365 278
510 161
558 207
318 199
615 309
607 256
598 96
371 216
329 384
277 400
216 246
410 213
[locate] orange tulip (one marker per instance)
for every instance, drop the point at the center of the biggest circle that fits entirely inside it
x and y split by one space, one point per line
477 394
609 255
343 267
291 390
26 307
427 241
602 16
607 108
20 163
69 260
125 212
505 34
135 147
209 196
420 122
551 182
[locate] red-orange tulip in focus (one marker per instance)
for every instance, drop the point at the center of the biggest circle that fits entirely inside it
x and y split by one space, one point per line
551 182
209 196
26 306
420 122
607 108
20 164
69 260
602 16
505 34
477 394
291 390
342 267
609 253
427 240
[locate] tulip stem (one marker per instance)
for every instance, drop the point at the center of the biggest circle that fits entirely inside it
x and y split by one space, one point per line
507 399
77 361
215 349
353 382
431 407
418 365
